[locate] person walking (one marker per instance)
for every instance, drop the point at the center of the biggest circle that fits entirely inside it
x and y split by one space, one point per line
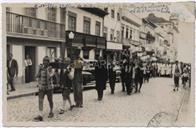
45 83
185 75
112 77
129 76
12 71
101 76
177 73
66 88
123 74
78 82
147 72
138 76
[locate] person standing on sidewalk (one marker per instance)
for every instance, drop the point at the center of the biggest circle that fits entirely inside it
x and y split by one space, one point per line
28 66
66 88
12 71
177 73
101 76
45 81
112 77
78 82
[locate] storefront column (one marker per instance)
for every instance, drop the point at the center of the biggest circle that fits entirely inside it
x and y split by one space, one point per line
41 53
58 52
92 54
17 51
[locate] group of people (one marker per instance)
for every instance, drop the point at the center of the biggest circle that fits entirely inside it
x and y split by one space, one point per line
182 71
133 73
67 78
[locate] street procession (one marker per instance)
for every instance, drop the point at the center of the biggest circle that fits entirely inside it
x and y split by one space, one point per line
95 64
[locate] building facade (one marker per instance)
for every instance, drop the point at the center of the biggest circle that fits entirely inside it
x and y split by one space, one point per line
35 32
112 29
130 31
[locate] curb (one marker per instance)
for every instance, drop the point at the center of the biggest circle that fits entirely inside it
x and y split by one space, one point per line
85 88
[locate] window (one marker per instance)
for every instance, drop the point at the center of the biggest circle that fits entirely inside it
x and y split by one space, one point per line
118 36
87 24
52 14
105 32
112 34
112 13
86 54
71 21
97 28
122 32
51 52
130 34
118 16
30 12
127 33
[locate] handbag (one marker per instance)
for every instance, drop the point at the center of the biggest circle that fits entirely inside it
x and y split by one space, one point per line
71 74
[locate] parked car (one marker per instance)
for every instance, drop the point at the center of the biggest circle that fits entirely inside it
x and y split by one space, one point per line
87 78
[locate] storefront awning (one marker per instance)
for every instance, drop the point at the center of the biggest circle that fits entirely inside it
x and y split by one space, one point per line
114 46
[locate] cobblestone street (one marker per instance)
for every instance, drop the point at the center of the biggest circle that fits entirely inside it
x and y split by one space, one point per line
138 109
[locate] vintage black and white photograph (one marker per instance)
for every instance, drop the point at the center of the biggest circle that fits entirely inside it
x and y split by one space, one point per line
99 64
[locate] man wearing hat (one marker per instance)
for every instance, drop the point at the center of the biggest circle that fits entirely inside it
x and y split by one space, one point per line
45 82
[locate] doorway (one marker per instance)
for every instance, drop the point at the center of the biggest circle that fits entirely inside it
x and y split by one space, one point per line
30 70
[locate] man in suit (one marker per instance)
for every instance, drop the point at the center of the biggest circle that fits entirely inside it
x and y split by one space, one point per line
12 71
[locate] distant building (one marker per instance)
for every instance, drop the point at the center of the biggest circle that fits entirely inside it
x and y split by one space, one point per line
112 32
130 31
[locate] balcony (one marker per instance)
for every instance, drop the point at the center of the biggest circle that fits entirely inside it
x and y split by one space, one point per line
29 27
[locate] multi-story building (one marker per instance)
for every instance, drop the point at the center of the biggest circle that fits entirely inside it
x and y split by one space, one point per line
112 29
86 25
35 32
171 29
130 31
147 36
38 32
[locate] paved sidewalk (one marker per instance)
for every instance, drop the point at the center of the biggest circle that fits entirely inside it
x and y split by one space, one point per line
23 90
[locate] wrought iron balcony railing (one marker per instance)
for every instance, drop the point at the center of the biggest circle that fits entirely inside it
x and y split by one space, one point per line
29 26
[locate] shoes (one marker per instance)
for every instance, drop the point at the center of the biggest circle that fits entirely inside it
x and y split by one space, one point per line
61 111
99 99
38 118
174 90
12 90
71 107
139 91
51 114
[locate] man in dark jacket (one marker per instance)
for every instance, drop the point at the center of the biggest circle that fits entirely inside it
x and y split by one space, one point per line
122 75
12 70
112 77
128 76
101 76
138 76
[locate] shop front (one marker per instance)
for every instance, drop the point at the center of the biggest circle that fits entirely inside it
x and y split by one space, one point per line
114 51
88 46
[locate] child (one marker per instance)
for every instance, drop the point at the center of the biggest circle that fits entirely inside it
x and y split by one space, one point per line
66 89
45 80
